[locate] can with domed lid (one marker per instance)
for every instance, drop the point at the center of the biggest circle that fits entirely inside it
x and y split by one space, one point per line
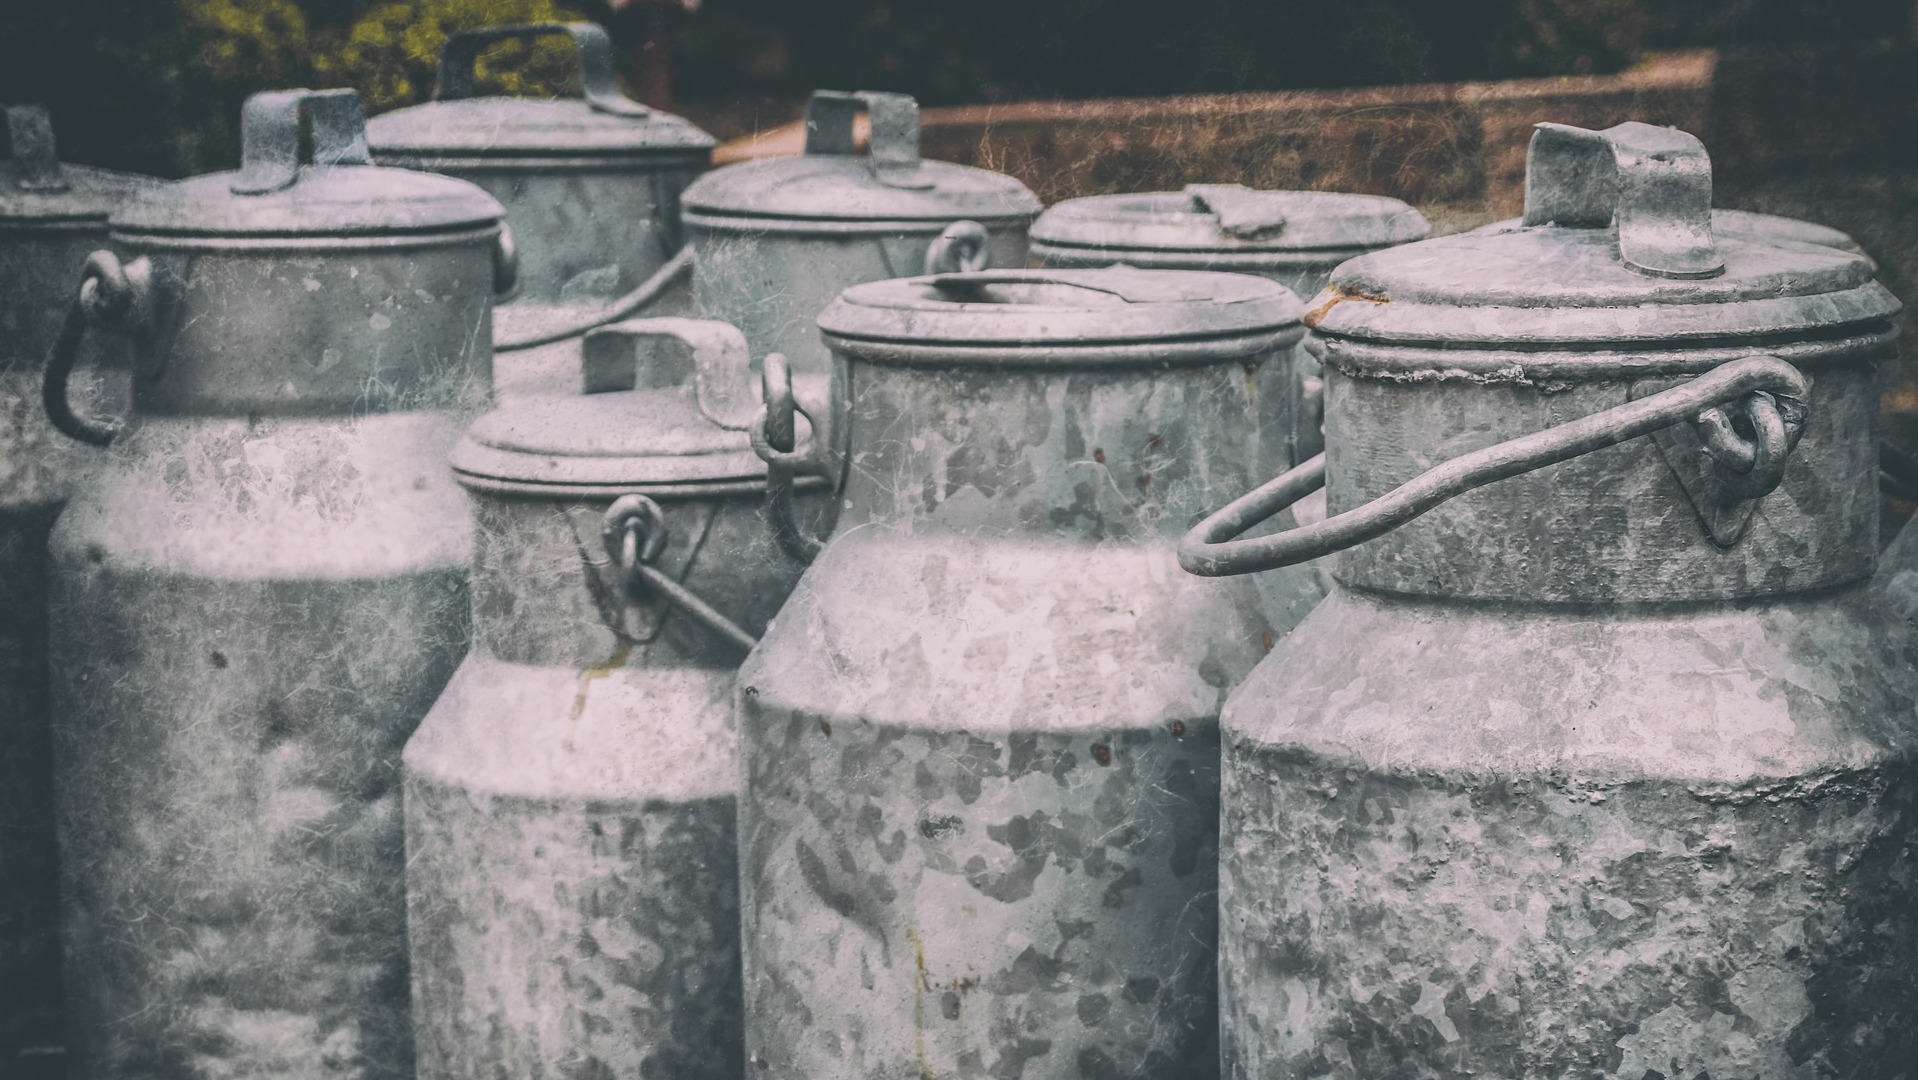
1599 757
258 594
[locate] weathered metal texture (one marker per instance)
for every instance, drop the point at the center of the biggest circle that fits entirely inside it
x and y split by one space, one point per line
590 186
51 216
570 801
979 815
1613 844
1555 782
776 240
254 600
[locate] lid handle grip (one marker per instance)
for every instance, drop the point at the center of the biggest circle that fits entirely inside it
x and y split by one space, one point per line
1651 185
653 354
893 148
270 136
597 82
35 167
1759 382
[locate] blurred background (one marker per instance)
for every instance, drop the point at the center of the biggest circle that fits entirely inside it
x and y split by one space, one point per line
1809 107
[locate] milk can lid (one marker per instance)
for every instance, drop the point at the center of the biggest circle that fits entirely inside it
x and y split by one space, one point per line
275 194
36 188
1091 316
664 405
458 124
1617 245
891 183
1207 218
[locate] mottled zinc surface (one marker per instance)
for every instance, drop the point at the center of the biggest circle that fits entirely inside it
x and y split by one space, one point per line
980 741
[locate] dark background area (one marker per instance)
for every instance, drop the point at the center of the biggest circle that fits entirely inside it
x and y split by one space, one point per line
154 85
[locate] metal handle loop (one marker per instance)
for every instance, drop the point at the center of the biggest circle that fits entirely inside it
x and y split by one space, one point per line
961 248
270 136
110 294
597 82
1651 185
773 433
505 265
1210 550
634 532
893 148
644 294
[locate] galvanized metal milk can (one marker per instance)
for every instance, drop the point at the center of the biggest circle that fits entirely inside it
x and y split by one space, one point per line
591 189
259 596
1293 237
572 876
979 816
51 215
776 240
1605 769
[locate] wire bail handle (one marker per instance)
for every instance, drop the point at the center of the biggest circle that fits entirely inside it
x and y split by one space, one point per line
1768 391
598 82
634 533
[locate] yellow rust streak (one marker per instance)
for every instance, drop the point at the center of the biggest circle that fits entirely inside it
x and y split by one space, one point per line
919 986
590 676
1333 296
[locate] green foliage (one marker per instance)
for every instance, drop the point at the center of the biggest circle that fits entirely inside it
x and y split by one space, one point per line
389 51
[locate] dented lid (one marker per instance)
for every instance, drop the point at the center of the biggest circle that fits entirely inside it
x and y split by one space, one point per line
276 194
1617 245
1206 219
38 189
1053 315
663 403
829 183
460 127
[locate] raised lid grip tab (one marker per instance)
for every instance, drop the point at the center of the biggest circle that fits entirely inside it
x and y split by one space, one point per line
894 146
35 167
597 82
1651 185
270 136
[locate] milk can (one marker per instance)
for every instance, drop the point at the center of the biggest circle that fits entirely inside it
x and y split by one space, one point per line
259 596
51 215
979 821
572 875
1293 237
1605 769
590 185
776 240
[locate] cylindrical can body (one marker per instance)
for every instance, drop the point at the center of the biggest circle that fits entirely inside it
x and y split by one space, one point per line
249 618
772 278
979 819
572 878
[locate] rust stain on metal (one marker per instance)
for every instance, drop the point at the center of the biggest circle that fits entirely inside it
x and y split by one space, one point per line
825 728
586 680
1338 295
1102 753
1099 455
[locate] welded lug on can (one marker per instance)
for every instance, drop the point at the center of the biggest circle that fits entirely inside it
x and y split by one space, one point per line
978 823
776 240
591 188
257 597
1599 760
572 875
1293 237
51 215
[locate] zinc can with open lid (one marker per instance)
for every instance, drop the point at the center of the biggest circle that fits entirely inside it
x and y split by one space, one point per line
570 799
776 240
1602 659
980 739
